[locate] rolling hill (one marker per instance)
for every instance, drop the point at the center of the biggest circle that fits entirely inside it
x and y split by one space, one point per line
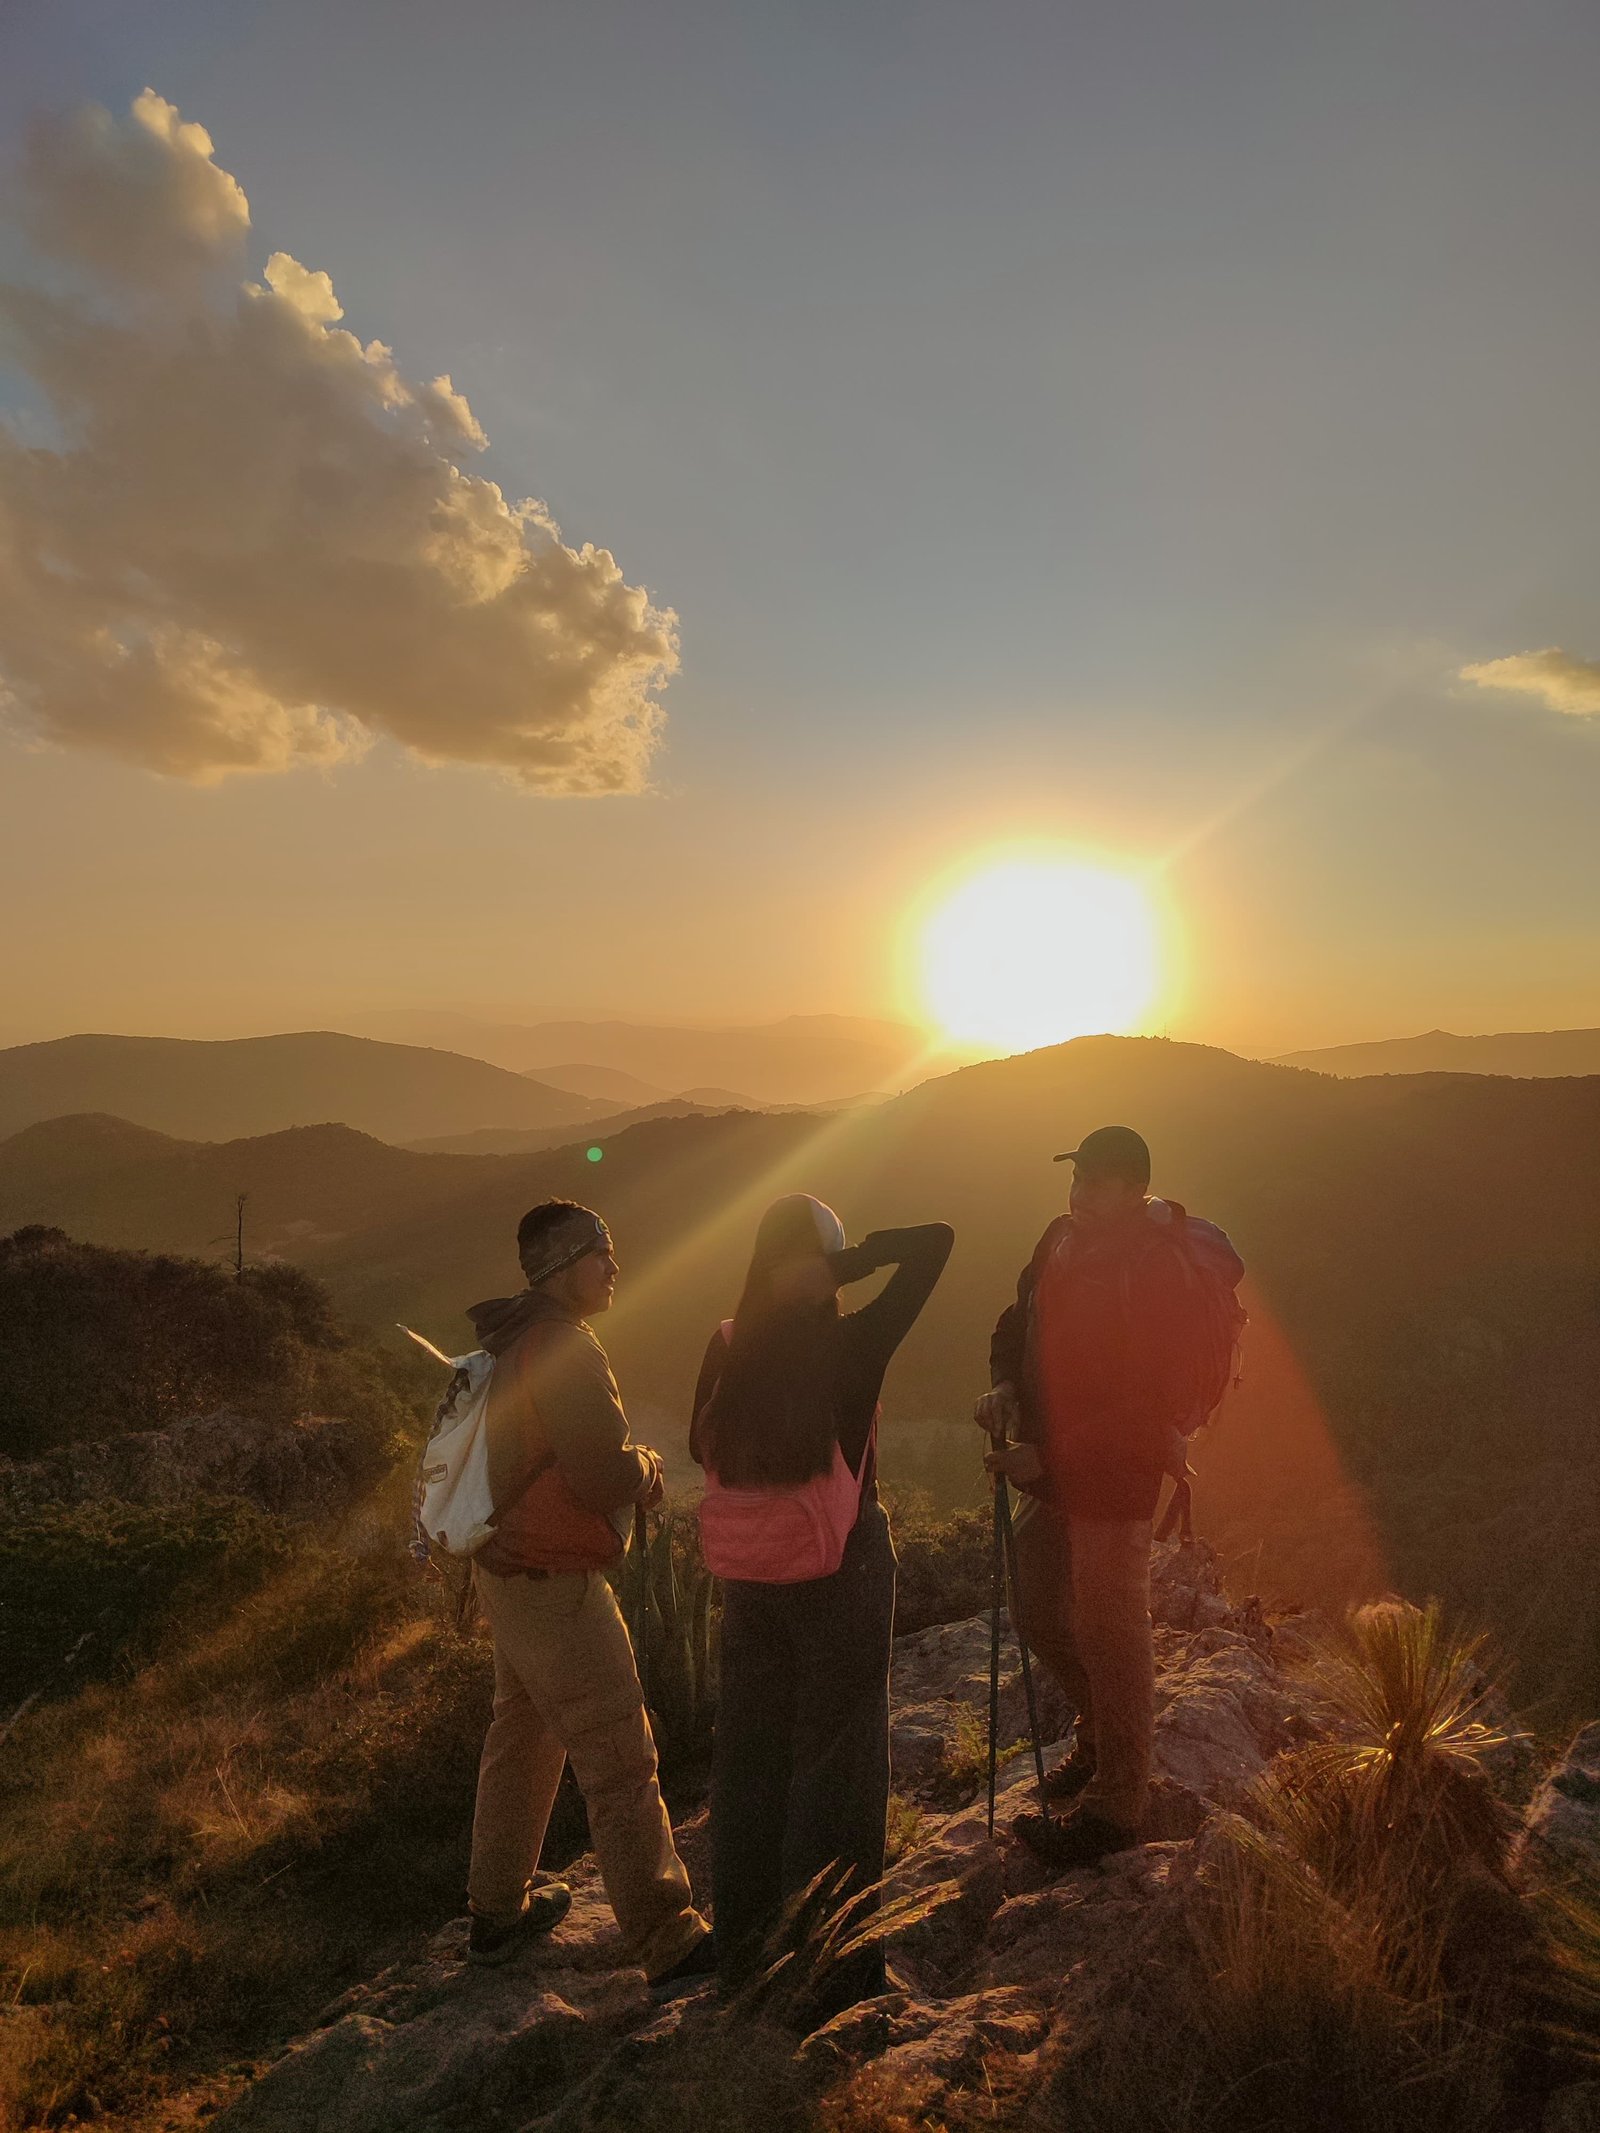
220 1090
1424 1255
513 1140
805 1059
609 1084
1535 1054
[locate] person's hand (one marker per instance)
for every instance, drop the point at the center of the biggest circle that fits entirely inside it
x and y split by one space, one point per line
656 1487
1020 1464
1175 1455
849 1263
997 1411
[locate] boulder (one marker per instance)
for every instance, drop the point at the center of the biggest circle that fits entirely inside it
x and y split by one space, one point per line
1560 1835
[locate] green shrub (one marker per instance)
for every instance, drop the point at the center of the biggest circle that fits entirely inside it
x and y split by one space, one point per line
86 1587
945 1564
96 1342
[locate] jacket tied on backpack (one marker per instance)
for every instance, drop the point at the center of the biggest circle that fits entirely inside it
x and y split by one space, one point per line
535 1469
1119 1335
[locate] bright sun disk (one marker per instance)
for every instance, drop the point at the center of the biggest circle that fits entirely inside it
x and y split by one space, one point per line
1033 951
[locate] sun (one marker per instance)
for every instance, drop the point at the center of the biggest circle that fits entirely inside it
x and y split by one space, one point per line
1032 951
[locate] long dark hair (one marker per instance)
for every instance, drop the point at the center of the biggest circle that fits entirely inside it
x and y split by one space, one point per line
773 1420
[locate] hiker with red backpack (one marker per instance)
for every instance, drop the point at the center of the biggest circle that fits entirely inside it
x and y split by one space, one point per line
785 1425
1121 1342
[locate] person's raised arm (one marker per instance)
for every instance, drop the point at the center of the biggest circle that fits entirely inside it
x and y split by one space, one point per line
918 1256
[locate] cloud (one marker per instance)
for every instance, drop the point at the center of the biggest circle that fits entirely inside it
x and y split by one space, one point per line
1555 677
249 543
142 203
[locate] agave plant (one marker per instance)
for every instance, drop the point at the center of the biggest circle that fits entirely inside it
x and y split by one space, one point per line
1396 1814
667 1595
825 1929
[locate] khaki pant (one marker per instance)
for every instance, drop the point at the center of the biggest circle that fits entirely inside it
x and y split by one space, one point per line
565 1684
1083 1603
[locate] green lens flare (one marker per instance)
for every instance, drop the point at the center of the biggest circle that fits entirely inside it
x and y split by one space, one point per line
594 1154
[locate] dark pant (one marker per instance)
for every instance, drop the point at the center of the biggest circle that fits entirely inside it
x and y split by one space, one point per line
800 1775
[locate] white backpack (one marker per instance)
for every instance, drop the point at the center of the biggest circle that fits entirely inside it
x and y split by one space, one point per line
451 1506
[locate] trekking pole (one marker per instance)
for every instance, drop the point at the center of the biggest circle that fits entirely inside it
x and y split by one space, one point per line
997 1589
1009 1537
641 1541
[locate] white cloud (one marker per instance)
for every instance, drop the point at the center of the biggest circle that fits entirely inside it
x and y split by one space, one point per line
1555 677
251 545
142 203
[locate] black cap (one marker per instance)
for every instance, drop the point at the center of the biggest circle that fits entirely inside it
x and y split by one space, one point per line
1112 1152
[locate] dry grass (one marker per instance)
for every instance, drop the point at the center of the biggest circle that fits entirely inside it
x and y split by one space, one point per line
193 1860
1358 1961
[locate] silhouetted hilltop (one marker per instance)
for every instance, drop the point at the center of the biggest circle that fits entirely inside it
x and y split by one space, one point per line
205 1090
504 1140
1538 1054
305 1186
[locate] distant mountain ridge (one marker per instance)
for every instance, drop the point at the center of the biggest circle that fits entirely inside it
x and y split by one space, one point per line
225 1089
803 1059
1538 1055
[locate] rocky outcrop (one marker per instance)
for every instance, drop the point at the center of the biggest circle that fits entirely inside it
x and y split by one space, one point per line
313 1468
1560 1836
558 2040
1003 1968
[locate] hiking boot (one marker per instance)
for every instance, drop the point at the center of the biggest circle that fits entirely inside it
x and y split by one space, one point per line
688 1973
1068 1779
543 1909
1082 1839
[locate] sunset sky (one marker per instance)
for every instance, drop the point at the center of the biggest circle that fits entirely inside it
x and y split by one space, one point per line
1160 437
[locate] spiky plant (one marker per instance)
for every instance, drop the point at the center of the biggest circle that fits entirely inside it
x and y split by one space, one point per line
668 1597
825 1931
1396 1812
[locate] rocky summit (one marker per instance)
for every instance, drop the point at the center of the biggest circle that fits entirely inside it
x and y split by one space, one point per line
1002 1960
1000 1970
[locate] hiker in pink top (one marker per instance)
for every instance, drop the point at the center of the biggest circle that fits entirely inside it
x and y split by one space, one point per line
785 1424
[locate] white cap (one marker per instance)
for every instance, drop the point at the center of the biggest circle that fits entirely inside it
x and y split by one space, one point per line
830 1230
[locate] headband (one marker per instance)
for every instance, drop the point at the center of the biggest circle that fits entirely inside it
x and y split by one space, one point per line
562 1244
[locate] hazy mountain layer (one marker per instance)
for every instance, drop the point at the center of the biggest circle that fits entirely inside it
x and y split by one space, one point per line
610 1084
1538 1054
248 1085
804 1059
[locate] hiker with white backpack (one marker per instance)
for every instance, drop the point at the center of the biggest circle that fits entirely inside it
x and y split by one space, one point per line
785 1426
1122 1341
531 1470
